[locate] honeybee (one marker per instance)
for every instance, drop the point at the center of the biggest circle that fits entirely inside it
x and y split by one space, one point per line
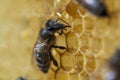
115 65
21 78
96 7
46 41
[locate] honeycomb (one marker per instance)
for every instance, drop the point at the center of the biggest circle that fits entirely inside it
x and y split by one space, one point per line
91 40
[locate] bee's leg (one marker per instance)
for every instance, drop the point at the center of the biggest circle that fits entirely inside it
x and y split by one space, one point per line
60 47
53 59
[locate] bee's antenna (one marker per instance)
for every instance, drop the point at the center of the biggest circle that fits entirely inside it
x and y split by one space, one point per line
62 20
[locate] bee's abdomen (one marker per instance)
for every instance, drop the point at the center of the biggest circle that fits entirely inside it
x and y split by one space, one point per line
43 62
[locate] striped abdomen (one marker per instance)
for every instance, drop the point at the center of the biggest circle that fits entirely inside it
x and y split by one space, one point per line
43 61
42 56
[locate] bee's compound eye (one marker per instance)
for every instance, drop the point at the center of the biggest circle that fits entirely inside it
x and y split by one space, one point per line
51 29
50 23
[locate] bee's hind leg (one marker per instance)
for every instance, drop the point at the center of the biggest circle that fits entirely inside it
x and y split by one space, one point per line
54 60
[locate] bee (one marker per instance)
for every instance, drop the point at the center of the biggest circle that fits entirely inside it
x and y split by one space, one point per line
46 41
114 64
96 7
115 61
21 78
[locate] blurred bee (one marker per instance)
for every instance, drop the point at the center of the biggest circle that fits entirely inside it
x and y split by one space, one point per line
114 63
96 7
46 41
21 78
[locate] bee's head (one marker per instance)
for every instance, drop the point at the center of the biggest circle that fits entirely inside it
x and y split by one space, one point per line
53 26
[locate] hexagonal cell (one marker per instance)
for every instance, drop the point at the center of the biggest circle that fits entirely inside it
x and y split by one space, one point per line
82 12
60 42
95 44
72 42
109 45
77 26
73 76
71 9
89 23
90 63
83 75
87 33
50 75
61 75
84 44
67 62
87 28
79 62
100 29
58 7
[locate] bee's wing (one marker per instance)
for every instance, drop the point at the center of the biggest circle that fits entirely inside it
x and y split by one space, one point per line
33 60
44 56
43 61
33 56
